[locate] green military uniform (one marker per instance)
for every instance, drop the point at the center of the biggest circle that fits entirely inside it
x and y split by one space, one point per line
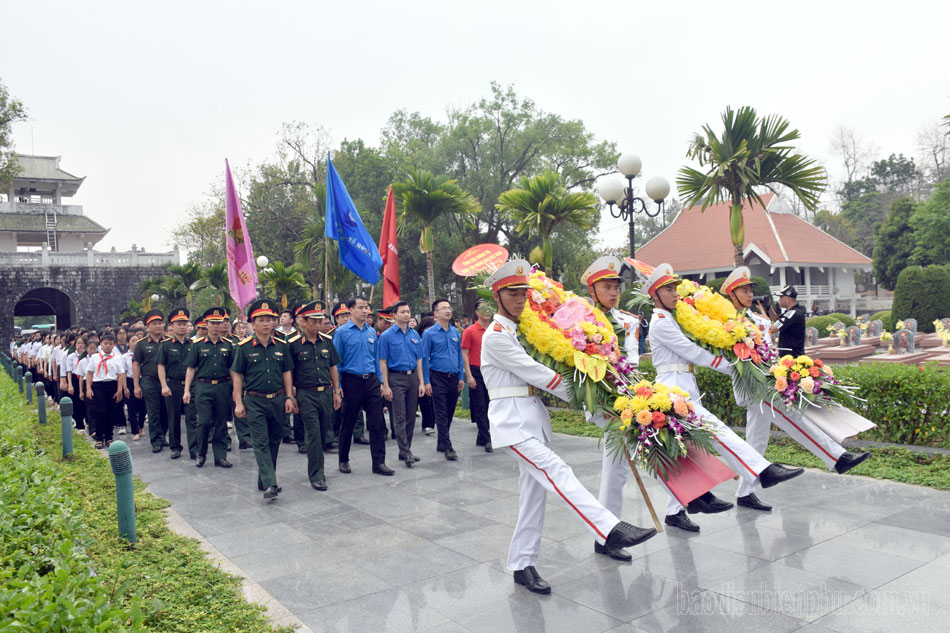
172 354
312 361
289 434
264 397
241 427
146 355
212 383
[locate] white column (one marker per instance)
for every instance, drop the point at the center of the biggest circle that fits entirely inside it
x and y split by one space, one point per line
810 301
831 288
781 277
44 255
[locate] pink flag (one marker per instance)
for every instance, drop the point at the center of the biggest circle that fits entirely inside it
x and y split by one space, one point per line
242 271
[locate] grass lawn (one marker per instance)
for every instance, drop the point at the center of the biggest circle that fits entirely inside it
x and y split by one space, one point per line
895 464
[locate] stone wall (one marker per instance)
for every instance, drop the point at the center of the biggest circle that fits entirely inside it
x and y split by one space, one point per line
99 294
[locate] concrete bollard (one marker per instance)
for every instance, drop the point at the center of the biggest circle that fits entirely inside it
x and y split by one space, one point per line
28 386
120 458
466 402
19 377
41 402
66 415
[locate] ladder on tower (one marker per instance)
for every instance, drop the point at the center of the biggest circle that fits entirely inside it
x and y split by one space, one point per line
51 230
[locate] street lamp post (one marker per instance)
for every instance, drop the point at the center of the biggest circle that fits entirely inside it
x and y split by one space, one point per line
624 201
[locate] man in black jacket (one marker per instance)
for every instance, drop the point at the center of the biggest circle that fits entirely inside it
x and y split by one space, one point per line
791 325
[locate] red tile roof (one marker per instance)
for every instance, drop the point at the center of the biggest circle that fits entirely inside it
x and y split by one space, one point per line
699 240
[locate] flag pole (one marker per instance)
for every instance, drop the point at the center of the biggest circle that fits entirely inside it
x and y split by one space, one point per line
326 270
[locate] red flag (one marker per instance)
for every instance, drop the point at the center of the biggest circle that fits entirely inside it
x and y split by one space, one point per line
389 251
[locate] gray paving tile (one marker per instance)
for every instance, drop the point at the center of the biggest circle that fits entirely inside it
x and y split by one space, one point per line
525 612
885 612
319 587
444 523
701 565
927 583
278 536
709 612
820 524
393 611
923 518
899 541
230 521
759 541
484 544
560 564
418 562
851 564
268 563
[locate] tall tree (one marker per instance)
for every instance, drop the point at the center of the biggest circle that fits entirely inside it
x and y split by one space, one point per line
424 198
188 275
215 279
541 204
201 234
930 223
750 153
282 281
11 111
894 243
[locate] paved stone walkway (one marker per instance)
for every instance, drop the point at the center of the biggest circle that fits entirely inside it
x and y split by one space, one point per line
424 551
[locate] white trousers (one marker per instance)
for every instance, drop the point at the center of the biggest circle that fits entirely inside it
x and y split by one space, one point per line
542 471
759 418
613 475
741 457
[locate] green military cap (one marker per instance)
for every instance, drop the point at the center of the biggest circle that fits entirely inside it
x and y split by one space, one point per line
214 314
262 307
313 310
178 314
152 315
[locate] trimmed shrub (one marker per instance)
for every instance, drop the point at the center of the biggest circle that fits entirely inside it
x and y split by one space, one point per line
923 293
821 323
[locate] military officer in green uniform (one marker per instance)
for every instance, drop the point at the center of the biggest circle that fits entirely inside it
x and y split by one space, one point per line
209 364
318 387
261 373
145 379
172 353
241 428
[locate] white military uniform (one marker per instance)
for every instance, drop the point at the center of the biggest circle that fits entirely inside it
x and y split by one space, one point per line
674 357
614 469
520 422
761 415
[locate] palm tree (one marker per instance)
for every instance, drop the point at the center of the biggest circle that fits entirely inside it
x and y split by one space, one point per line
280 280
313 251
540 204
215 278
426 197
188 274
752 153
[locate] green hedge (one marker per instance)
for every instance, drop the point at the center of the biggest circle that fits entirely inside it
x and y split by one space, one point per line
822 323
46 577
922 293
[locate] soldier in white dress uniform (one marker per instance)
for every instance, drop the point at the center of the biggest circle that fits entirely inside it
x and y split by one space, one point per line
603 285
738 287
520 423
675 357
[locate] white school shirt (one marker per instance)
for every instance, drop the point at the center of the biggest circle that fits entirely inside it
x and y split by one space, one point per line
111 367
71 363
81 367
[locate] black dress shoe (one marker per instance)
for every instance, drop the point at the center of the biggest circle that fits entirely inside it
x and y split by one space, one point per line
332 447
192 456
451 455
627 535
708 503
244 445
222 463
200 461
776 474
531 580
849 460
319 485
616 554
751 501
345 468
288 440
415 460
383 469
164 442
440 449
176 453
271 492
361 440
407 457
157 449
681 521
301 449
489 448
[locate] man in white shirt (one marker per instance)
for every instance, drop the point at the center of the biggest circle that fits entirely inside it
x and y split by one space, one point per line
105 383
520 423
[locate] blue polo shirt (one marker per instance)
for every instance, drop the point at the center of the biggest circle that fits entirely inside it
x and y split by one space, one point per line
401 350
357 347
443 349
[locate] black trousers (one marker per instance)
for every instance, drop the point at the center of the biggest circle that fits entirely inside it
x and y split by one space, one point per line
79 404
107 411
428 415
362 394
136 413
445 395
478 405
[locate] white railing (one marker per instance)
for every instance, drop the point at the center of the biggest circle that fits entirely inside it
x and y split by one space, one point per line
35 207
818 291
89 258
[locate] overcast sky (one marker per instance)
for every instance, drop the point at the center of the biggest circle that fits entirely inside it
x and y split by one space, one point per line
147 100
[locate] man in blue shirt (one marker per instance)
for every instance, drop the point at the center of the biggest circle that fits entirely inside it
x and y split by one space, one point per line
443 372
357 342
400 361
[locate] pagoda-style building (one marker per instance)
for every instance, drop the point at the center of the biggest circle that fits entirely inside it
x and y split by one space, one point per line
47 261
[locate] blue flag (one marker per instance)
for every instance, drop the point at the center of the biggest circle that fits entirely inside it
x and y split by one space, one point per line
358 251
